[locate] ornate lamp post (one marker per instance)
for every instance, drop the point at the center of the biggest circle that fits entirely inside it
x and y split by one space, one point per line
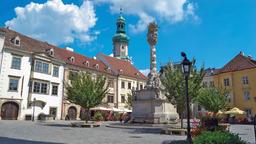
186 64
34 104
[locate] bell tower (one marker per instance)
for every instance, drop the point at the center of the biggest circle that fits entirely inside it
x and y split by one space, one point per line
120 39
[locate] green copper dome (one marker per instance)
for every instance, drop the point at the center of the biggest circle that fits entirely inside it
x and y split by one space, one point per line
120 35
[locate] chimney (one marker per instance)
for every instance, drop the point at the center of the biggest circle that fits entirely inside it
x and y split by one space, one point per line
241 53
70 49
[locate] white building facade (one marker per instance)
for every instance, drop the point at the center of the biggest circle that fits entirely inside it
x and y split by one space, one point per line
31 79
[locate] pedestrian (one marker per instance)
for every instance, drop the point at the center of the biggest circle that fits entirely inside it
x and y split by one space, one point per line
121 118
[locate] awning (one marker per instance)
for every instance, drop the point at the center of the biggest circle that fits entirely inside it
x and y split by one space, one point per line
235 110
101 108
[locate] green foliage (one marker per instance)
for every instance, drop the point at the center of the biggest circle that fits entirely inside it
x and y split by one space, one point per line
98 116
213 99
85 91
218 137
173 80
128 101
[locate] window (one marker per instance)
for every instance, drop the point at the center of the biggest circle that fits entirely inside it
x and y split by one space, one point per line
122 98
53 112
42 67
73 74
129 85
40 87
211 84
110 99
36 88
226 82
16 61
245 80
141 87
13 84
55 71
123 84
248 112
54 89
17 42
246 95
44 88
111 83
228 96
97 66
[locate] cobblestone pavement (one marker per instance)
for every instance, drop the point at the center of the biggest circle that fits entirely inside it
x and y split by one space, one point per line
246 132
26 132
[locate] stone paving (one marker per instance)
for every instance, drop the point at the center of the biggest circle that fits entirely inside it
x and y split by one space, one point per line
26 132
246 132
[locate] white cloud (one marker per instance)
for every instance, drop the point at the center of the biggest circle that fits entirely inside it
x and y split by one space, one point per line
145 71
56 22
171 11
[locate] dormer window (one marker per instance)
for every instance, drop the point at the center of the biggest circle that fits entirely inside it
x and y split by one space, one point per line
87 63
120 71
108 69
71 59
16 41
50 52
97 66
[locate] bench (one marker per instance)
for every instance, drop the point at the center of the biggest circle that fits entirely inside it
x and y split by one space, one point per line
173 131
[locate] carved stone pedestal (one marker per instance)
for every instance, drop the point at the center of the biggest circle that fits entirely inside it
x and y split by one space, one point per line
150 106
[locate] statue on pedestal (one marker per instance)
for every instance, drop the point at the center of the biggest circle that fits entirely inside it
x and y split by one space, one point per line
150 104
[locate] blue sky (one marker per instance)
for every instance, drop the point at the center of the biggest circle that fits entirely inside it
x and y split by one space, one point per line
212 31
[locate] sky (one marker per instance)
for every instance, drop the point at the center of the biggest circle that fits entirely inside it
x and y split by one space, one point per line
211 31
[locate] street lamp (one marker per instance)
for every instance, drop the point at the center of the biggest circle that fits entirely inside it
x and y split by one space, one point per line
34 104
186 64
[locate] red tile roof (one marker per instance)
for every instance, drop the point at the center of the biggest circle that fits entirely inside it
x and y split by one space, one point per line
31 45
35 46
239 62
123 67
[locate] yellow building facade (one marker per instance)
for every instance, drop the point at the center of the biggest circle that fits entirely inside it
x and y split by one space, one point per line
239 77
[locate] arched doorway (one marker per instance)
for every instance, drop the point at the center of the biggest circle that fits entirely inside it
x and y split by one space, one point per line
72 112
9 111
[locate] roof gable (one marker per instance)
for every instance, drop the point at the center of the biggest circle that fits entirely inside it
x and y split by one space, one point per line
239 62
122 67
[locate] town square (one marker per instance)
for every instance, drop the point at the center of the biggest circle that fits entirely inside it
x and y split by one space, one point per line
125 72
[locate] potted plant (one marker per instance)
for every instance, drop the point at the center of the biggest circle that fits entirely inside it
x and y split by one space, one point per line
98 117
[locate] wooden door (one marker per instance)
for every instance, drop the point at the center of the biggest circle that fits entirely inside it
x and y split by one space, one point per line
72 112
9 111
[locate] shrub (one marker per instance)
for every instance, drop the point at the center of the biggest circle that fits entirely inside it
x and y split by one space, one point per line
98 116
218 137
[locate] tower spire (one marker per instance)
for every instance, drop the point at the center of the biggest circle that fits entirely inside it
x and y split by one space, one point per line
120 39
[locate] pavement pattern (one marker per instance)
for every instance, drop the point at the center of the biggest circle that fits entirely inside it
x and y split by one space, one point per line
59 132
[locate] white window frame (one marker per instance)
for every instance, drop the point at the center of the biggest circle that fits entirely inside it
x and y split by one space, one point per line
53 72
41 70
12 64
14 78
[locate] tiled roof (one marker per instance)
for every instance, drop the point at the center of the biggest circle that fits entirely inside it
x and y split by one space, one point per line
239 62
122 67
211 71
31 45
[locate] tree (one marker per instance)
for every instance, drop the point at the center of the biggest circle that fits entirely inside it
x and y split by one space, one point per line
129 99
85 91
173 80
213 99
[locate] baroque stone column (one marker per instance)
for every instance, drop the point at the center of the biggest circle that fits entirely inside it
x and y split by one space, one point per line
153 79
